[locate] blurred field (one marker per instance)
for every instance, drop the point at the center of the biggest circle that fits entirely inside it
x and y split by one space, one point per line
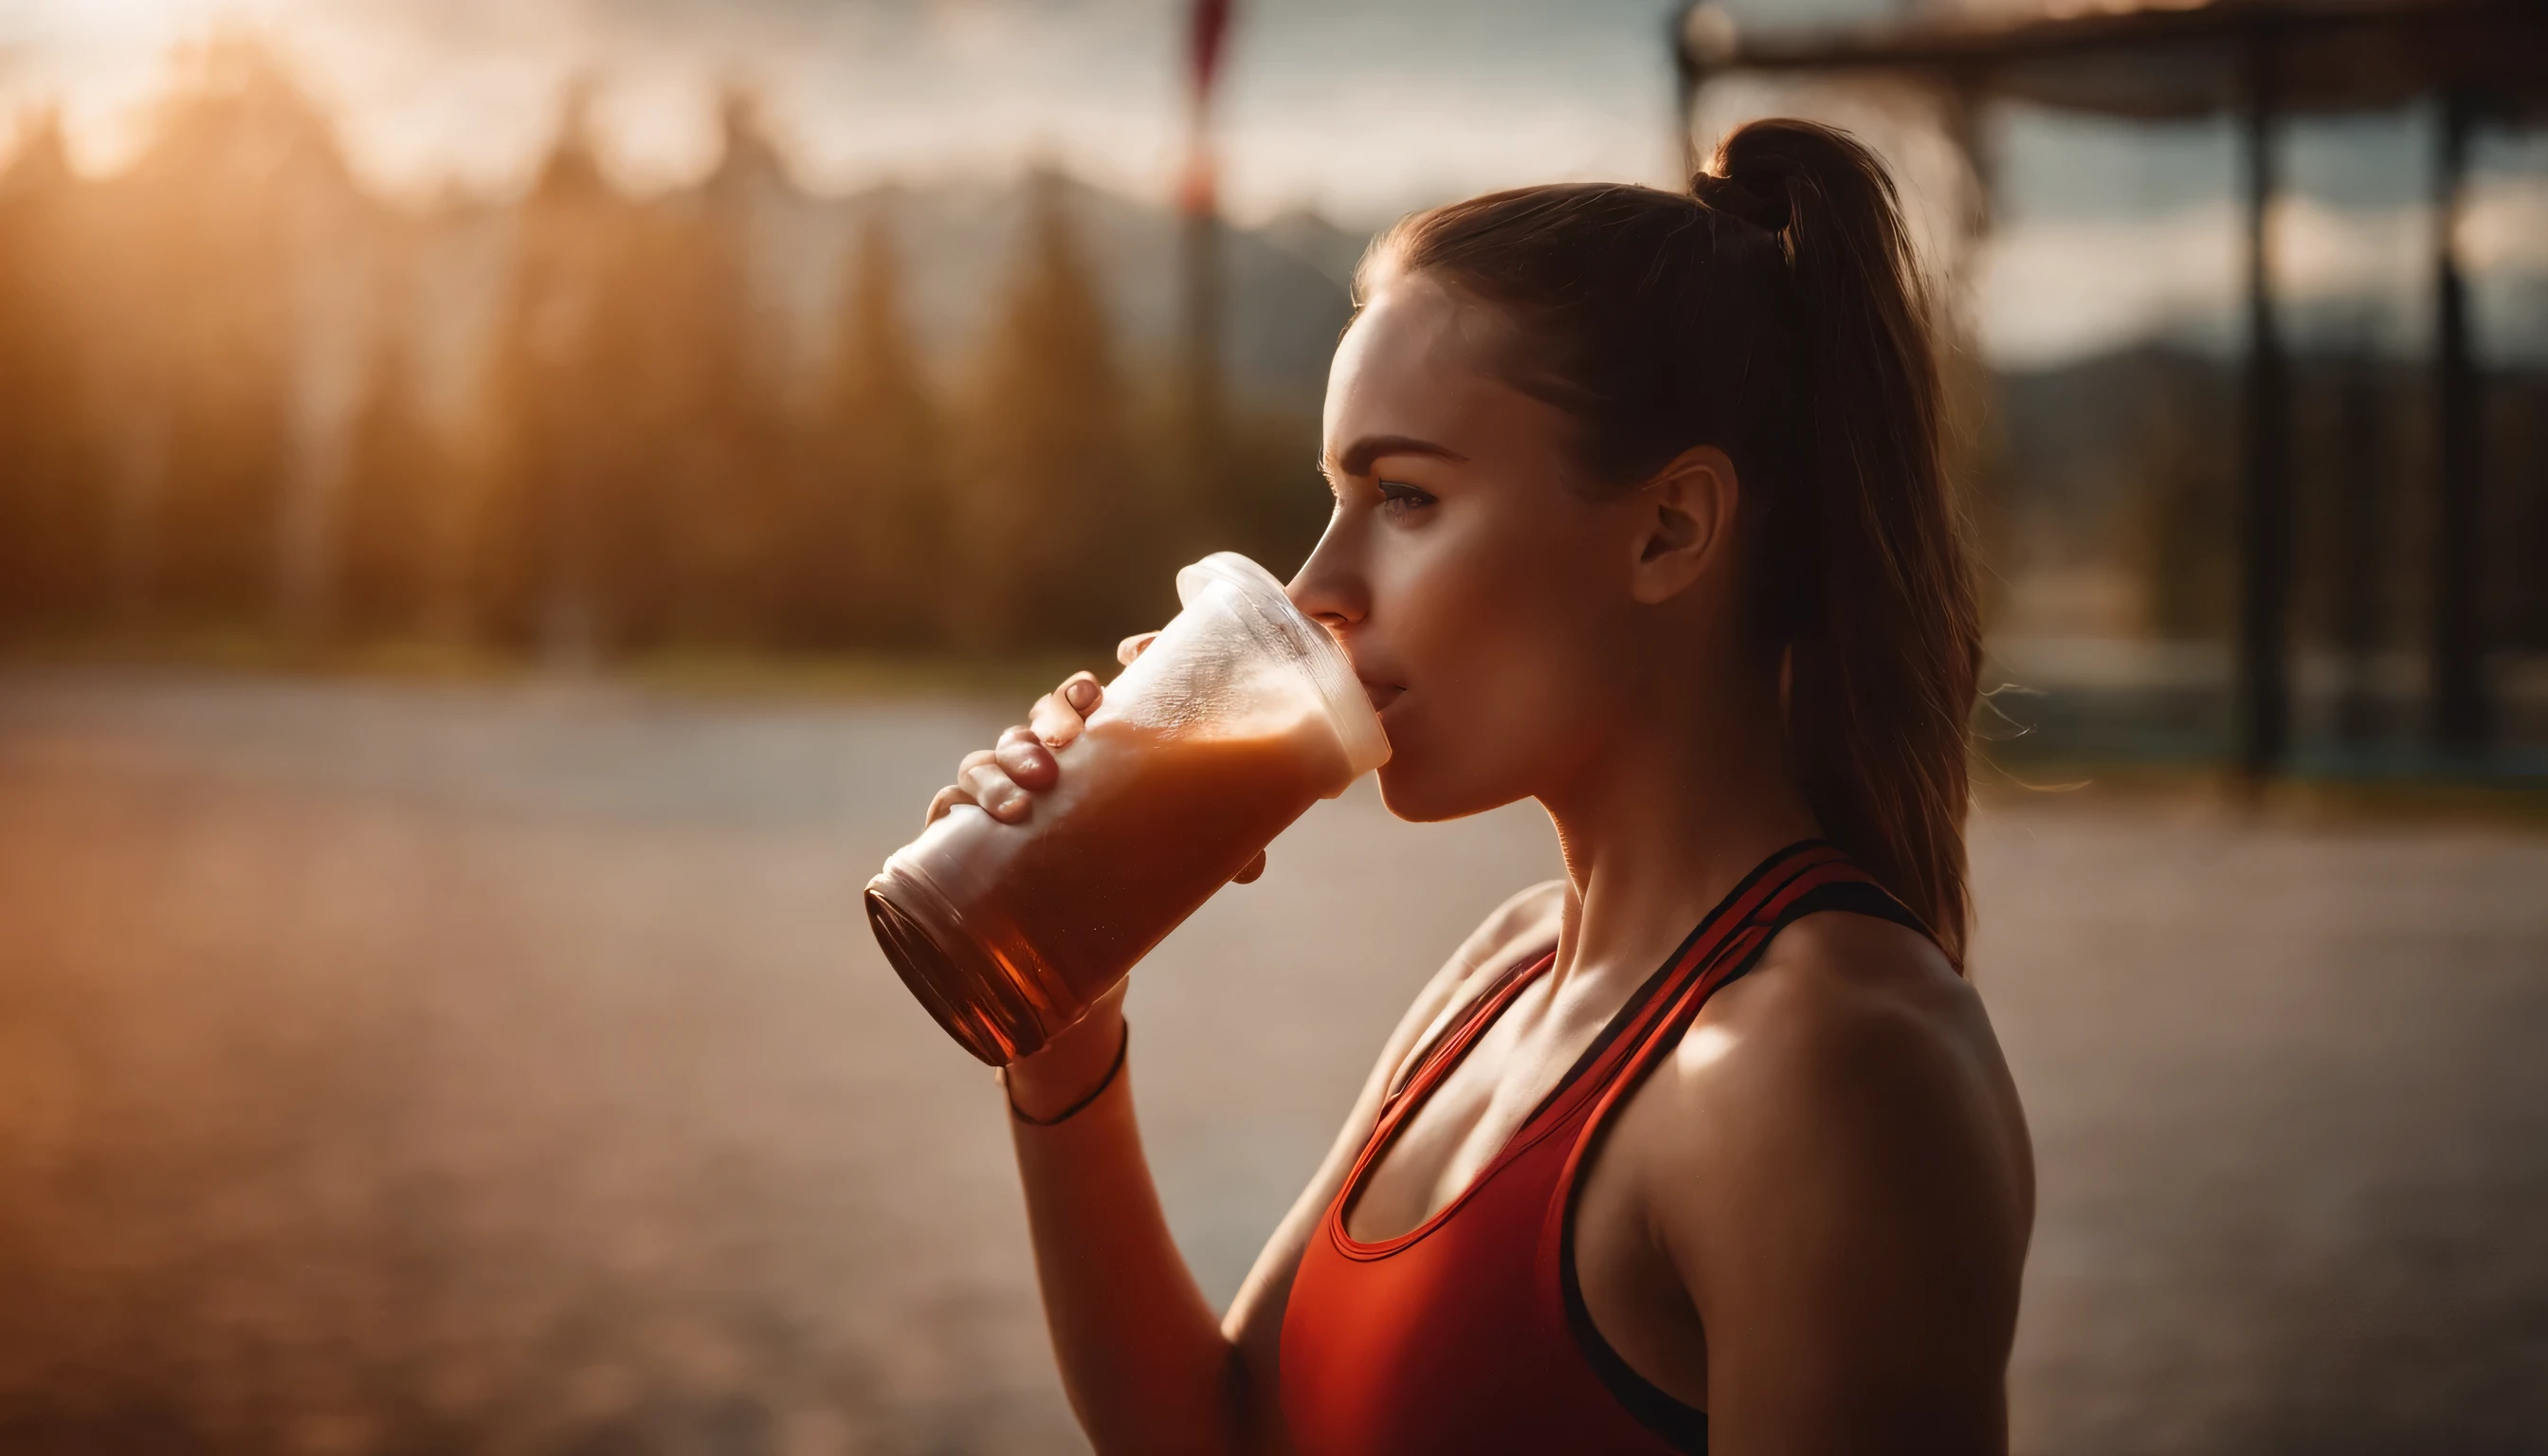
507 1067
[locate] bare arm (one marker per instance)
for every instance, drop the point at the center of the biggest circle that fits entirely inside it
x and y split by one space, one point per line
1145 1363
1143 1356
1847 1195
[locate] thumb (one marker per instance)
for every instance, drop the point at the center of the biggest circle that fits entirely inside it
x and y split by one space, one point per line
1133 646
1255 867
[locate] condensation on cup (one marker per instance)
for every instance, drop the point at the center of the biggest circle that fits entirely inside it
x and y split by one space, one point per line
1242 714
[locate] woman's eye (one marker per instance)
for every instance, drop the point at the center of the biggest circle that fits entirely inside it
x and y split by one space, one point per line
1399 498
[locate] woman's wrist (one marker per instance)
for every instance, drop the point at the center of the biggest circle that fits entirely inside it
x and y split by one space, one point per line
1072 1071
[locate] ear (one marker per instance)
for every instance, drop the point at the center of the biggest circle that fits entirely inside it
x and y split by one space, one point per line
1685 523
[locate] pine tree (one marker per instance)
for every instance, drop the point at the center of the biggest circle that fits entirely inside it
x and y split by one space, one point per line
1054 546
867 564
536 532
396 471
52 529
716 470
208 302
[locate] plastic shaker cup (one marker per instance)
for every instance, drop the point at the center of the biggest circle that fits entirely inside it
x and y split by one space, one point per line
1240 715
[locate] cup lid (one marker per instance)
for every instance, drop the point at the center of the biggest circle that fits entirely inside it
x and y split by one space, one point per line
1349 708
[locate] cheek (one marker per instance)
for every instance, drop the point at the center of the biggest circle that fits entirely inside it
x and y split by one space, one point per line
1499 641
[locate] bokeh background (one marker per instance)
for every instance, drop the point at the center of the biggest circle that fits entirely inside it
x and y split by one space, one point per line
508 509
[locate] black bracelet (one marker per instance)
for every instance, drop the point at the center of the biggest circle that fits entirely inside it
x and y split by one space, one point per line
1122 1049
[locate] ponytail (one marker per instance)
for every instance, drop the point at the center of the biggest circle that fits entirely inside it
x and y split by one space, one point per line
1775 310
1883 651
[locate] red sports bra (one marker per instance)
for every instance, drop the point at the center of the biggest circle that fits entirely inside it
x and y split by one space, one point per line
1468 1333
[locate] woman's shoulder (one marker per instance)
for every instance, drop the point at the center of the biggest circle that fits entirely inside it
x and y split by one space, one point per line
1853 1027
1835 1156
1846 1007
1833 980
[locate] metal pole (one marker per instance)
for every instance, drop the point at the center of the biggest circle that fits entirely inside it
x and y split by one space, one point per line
2265 511
2459 695
2360 471
1200 309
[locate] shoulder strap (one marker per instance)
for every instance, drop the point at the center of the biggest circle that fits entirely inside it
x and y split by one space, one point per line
1825 882
1618 1045
1467 1023
1830 883
1859 896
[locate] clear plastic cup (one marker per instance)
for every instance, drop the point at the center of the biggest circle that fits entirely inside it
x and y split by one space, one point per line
1242 714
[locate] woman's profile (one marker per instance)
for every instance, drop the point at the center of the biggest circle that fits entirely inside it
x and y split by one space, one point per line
1708 1145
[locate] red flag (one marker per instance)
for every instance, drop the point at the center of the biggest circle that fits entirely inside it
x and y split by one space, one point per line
1211 29
1205 45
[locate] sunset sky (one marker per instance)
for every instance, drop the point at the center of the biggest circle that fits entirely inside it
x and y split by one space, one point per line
1359 108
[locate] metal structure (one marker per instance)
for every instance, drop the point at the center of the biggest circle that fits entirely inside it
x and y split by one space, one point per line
2263 61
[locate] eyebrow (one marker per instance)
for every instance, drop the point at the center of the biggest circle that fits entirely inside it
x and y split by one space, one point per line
1358 457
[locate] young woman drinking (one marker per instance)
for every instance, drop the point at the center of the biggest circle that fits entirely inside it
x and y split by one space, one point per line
1708 1145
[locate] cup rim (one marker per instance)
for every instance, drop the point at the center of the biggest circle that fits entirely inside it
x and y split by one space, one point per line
1350 709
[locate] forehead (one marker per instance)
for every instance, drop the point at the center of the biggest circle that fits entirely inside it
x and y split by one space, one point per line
1420 361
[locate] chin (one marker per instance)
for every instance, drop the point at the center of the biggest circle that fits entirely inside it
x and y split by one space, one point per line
1423 790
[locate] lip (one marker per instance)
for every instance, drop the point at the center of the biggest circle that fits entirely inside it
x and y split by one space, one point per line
1382 694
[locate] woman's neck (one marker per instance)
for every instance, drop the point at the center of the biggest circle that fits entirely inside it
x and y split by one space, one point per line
1662 824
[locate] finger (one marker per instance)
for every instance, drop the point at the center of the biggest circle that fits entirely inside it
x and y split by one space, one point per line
1255 867
1025 759
1054 721
992 788
956 794
1059 715
1133 646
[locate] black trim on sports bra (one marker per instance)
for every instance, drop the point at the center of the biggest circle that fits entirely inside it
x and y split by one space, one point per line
1682 1426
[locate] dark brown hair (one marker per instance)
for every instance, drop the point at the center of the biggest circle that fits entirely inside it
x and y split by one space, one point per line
1773 311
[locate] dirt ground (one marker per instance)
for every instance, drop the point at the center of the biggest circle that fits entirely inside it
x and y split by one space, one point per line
421 1069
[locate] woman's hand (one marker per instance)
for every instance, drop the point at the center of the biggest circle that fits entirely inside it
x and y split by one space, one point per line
1003 779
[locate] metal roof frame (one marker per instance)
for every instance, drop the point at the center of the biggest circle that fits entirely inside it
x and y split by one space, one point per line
2172 62
2262 62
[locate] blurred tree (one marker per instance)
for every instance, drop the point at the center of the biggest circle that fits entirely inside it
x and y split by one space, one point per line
1272 502
397 478
1055 547
867 565
208 374
719 466
53 529
1253 487
550 391
200 298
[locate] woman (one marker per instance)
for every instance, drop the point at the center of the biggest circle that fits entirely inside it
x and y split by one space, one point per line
1638 513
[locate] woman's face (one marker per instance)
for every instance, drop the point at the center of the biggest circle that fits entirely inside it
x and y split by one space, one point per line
1484 594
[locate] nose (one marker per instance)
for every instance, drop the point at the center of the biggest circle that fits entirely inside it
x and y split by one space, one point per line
1330 585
